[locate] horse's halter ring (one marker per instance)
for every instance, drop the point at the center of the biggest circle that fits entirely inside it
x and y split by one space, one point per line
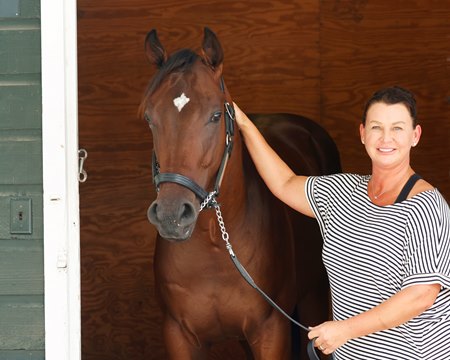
201 193
208 200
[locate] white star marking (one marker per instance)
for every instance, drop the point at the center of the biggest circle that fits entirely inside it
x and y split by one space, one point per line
181 101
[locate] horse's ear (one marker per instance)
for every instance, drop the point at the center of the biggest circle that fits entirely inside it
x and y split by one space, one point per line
155 52
212 51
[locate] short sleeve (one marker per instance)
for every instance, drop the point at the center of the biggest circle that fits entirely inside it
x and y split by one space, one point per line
310 194
427 252
321 194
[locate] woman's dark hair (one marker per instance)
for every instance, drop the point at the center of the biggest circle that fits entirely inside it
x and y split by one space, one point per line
393 95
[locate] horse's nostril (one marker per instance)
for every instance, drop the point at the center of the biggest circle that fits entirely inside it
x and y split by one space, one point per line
187 213
179 216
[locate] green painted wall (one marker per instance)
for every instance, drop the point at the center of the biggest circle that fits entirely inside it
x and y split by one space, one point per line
21 248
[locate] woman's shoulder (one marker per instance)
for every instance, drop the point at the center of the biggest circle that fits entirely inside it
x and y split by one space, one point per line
427 201
420 186
350 177
339 182
423 191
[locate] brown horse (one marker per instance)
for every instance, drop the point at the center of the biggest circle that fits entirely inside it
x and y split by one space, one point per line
197 153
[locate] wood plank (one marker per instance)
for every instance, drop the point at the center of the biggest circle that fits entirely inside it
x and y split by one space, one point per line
22 355
20 102
20 157
30 9
20 9
21 51
22 268
22 322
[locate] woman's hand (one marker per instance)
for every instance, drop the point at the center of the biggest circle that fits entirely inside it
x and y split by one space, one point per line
329 335
396 310
241 118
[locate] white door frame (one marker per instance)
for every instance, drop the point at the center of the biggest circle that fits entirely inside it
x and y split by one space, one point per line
60 180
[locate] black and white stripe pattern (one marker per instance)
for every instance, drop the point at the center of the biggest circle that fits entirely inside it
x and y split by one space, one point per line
371 252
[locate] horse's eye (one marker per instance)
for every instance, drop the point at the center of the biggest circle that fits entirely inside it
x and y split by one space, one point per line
216 116
147 118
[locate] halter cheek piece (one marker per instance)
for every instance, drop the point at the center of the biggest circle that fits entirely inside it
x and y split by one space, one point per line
182 180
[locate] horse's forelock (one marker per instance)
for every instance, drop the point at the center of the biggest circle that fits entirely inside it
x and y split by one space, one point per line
179 61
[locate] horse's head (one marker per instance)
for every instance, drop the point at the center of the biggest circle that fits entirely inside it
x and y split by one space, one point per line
188 110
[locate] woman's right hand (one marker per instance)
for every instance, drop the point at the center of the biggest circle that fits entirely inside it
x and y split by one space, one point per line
241 118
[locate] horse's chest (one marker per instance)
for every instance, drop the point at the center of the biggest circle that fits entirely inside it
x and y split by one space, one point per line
209 295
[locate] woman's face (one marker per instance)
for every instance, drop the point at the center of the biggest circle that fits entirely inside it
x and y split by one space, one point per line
389 134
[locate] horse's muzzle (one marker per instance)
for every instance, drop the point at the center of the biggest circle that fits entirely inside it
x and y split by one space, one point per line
174 221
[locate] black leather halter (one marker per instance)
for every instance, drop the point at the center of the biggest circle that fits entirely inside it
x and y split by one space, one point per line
182 180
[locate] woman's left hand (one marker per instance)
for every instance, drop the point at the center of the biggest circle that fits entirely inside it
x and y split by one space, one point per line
329 335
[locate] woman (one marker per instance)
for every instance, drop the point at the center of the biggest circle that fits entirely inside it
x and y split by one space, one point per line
387 256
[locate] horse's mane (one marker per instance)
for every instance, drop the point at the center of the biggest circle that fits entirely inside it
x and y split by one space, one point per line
179 61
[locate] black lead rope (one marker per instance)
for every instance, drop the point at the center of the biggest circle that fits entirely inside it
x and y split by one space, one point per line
249 279
311 350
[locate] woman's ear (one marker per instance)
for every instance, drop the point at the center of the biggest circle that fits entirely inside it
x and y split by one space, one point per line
362 133
417 133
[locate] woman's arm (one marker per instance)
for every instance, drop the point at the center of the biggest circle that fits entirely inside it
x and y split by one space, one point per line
398 309
279 178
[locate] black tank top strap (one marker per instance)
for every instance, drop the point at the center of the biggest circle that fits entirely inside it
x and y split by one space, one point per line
407 188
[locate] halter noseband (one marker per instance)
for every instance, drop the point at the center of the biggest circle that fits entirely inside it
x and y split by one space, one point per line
182 180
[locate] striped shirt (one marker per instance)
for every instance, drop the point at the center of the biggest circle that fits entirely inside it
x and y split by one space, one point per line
371 252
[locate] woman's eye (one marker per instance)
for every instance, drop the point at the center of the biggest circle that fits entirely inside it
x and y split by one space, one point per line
216 116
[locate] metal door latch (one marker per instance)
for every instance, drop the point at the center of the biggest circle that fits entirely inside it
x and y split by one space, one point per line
82 174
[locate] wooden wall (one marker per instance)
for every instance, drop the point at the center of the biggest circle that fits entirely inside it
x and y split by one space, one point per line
321 59
365 45
21 247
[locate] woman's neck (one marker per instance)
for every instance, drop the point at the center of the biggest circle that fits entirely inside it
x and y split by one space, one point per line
385 185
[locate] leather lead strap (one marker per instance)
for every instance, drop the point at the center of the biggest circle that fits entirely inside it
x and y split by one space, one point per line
311 350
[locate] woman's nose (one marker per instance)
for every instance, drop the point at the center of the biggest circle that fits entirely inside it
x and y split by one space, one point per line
387 135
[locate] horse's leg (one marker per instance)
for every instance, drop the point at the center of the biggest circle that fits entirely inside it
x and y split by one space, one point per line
247 350
272 340
180 343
